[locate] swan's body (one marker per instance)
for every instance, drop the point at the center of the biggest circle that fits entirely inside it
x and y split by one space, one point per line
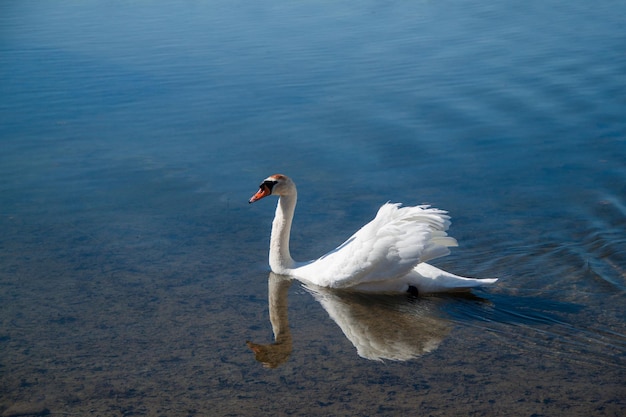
388 254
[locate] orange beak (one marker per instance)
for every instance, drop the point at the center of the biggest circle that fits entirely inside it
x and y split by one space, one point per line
264 191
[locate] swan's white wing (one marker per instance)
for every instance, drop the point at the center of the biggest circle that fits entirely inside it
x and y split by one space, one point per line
386 248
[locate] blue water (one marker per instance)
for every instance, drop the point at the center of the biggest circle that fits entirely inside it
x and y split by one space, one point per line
133 271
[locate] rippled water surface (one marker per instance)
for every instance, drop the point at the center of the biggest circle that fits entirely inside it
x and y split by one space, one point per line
133 273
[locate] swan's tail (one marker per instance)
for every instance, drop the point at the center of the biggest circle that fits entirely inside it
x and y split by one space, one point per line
428 279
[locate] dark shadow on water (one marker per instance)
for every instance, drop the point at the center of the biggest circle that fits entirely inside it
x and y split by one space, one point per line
504 308
557 329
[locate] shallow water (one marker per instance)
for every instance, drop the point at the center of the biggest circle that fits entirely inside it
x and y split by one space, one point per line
133 271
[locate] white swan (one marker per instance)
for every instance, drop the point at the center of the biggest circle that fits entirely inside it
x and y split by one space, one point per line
388 254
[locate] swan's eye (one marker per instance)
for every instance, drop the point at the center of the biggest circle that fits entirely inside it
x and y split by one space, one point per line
269 184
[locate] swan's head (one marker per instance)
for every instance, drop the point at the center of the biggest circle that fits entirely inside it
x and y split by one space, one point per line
276 184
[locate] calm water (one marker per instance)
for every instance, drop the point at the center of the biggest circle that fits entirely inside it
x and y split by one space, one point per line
133 271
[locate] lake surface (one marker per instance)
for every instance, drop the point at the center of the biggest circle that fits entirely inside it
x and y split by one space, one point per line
133 271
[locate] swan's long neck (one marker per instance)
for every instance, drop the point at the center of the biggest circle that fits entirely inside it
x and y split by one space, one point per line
280 258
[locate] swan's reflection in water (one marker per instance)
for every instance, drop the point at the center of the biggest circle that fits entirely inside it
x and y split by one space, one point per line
278 352
384 326
380 327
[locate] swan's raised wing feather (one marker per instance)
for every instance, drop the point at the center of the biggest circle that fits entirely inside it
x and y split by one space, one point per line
388 247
